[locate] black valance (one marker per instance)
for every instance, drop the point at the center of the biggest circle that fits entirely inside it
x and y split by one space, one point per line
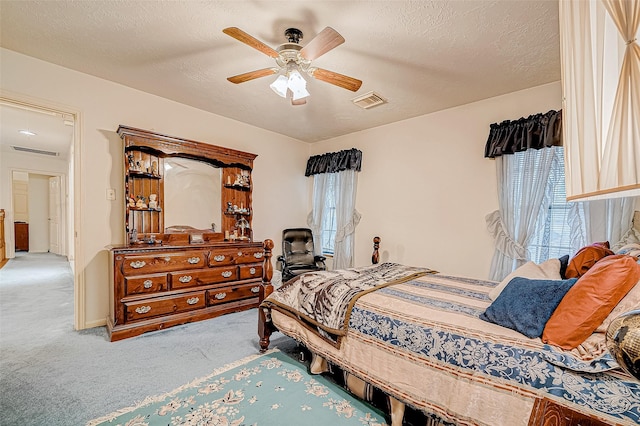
333 162
536 131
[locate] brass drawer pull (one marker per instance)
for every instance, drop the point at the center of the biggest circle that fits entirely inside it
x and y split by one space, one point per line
185 279
227 274
193 260
258 254
143 309
138 264
220 296
147 283
252 271
193 300
218 258
255 289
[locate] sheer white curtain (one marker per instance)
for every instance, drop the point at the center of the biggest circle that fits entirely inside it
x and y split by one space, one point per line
523 192
314 220
347 218
600 220
601 90
342 186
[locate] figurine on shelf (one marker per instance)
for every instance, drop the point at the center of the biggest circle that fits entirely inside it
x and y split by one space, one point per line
132 202
239 180
153 201
140 204
154 168
132 164
229 207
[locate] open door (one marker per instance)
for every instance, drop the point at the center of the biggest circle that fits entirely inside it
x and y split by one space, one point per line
54 214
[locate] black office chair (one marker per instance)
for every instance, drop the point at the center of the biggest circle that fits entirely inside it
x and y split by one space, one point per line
297 254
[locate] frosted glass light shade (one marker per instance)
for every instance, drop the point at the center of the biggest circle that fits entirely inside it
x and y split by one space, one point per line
297 85
280 86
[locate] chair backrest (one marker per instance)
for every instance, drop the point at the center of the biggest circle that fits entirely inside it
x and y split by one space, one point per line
297 246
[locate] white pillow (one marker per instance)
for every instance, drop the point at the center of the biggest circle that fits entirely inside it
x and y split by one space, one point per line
547 270
632 236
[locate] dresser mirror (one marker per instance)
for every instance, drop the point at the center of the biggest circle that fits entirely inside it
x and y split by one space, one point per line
178 189
192 194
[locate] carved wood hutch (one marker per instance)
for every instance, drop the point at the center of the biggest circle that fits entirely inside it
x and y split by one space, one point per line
173 273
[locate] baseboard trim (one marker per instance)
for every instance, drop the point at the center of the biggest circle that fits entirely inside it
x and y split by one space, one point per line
96 323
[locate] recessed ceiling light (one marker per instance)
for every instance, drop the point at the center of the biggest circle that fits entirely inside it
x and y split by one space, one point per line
27 132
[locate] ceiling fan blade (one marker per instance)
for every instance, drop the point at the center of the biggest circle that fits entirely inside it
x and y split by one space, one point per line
336 79
326 40
251 75
245 38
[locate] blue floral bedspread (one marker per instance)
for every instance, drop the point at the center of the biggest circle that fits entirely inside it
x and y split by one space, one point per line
477 347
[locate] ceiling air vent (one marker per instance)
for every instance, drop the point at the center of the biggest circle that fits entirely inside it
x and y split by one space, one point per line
369 100
35 151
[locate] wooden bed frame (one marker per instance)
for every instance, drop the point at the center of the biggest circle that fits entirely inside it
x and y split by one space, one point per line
545 411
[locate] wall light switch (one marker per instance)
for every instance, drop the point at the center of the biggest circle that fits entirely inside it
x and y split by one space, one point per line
111 194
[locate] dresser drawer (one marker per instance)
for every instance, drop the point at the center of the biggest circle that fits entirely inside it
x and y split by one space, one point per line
163 262
145 284
230 294
164 305
250 255
250 271
185 279
223 257
235 256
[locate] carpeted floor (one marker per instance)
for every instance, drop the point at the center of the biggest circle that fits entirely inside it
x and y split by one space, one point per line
53 375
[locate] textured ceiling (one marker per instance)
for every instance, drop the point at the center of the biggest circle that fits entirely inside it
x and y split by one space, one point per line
423 56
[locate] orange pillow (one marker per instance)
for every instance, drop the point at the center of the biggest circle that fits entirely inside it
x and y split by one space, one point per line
585 258
590 301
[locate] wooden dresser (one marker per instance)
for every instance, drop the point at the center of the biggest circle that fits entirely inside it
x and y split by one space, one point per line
184 259
21 233
3 250
160 287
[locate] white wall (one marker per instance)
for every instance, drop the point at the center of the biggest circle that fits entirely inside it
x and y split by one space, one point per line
279 192
38 213
425 186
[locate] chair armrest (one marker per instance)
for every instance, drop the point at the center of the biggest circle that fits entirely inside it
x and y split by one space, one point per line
319 258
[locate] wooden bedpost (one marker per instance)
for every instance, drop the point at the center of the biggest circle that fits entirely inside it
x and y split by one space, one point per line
375 258
264 328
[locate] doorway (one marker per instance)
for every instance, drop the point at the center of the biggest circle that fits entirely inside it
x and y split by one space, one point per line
40 151
39 212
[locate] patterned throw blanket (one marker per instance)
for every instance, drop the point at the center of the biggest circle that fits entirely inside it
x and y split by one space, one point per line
324 299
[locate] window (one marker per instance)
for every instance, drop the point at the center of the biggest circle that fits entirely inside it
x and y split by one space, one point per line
329 216
552 238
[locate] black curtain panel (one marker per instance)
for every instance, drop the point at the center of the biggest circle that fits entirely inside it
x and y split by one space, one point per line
333 162
536 131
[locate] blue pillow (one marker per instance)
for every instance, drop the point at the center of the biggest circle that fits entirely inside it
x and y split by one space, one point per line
526 305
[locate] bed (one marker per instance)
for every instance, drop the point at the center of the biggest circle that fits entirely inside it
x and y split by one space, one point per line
418 338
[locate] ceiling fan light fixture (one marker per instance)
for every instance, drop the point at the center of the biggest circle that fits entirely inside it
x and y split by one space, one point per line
279 86
298 85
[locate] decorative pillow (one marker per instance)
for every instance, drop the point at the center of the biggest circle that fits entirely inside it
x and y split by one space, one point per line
586 257
525 305
591 300
548 270
564 262
632 236
632 249
628 303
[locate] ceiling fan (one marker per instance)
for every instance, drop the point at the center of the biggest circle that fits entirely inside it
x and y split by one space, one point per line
292 59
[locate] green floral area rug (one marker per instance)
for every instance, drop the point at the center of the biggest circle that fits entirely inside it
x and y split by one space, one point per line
268 389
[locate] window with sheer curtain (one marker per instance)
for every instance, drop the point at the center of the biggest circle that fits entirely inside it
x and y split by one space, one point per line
552 238
329 217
